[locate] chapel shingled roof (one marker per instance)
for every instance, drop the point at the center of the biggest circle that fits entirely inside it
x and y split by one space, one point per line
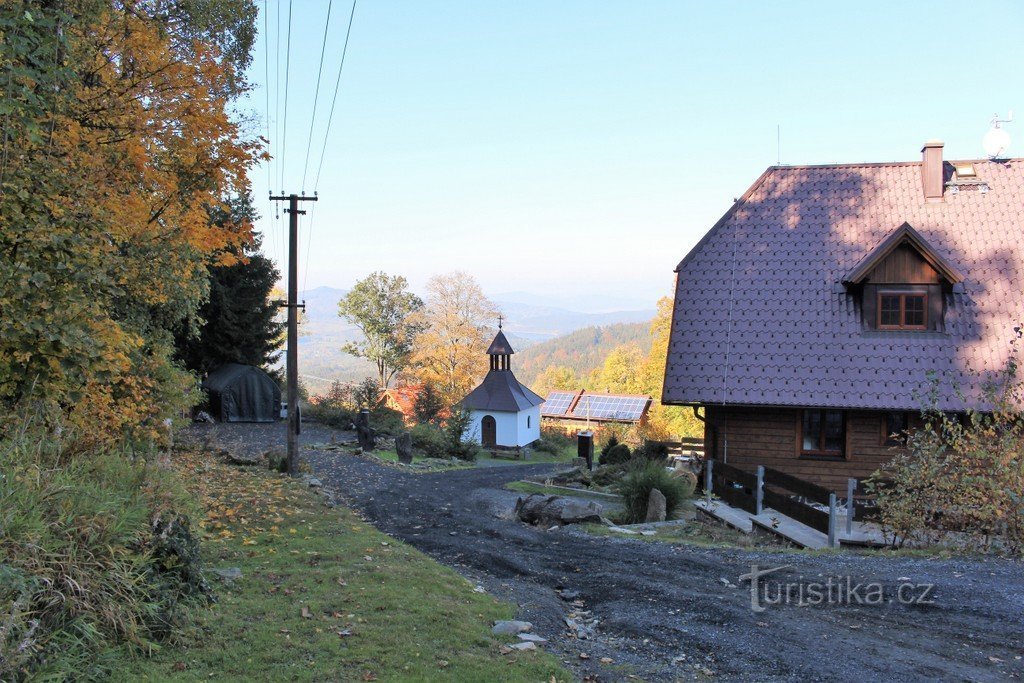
501 391
762 316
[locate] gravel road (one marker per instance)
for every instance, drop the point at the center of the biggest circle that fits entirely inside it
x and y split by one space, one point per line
681 612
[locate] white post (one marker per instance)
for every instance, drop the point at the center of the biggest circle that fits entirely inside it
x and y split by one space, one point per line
759 492
832 520
709 465
851 486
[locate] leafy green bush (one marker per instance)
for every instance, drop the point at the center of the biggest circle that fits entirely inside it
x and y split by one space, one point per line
455 430
606 475
95 556
330 415
429 440
546 446
635 489
611 443
387 422
616 455
652 450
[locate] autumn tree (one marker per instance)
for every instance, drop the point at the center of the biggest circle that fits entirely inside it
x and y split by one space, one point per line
238 323
556 378
457 322
384 310
117 148
663 422
620 372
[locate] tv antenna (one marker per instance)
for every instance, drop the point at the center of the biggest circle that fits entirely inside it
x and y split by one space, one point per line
997 140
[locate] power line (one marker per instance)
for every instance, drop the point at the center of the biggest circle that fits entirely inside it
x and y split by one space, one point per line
334 99
277 80
287 78
272 246
316 94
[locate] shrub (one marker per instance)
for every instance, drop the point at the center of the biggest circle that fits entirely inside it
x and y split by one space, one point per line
428 405
611 443
546 446
607 475
429 440
330 415
635 488
455 430
386 422
652 450
97 556
960 479
617 455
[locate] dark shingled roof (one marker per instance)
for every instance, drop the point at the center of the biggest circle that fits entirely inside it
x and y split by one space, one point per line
500 346
501 391
762 317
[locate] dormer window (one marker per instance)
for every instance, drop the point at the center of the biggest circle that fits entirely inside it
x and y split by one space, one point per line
902 285
902 311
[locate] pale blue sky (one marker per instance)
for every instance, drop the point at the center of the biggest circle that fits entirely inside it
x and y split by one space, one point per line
577 150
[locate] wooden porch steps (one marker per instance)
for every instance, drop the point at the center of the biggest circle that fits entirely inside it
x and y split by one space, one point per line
799 534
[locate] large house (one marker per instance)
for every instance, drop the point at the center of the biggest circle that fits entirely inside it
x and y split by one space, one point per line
815 316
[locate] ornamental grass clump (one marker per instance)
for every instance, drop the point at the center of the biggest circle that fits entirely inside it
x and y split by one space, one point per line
635 489
96 556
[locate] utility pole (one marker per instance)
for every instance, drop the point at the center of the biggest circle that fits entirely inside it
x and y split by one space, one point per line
292 372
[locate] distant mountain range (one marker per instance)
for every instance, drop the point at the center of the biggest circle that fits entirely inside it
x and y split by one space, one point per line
528 321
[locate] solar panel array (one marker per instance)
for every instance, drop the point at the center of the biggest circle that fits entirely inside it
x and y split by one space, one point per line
557 403
610 407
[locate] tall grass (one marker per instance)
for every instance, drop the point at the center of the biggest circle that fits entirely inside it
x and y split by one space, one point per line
95 555
635 489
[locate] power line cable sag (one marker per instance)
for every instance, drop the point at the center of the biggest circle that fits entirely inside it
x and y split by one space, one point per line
271 247
287 79
316 94
323 149
334 99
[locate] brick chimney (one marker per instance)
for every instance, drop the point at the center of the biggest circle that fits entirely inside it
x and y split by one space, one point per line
931 170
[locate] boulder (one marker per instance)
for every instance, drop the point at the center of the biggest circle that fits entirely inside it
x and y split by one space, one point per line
655 506
511 628
549 510
229 574
246 459
403 445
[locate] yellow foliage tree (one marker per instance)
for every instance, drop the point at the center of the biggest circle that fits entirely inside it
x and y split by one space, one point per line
117 147
664 423
556 378
457 324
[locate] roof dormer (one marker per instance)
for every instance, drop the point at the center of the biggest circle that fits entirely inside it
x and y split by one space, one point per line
901 283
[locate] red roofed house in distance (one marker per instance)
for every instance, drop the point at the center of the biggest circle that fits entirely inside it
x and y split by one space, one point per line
810 321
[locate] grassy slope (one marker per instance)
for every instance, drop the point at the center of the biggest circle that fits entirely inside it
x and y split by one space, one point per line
324 596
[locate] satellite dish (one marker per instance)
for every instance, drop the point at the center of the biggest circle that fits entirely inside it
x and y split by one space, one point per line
997 140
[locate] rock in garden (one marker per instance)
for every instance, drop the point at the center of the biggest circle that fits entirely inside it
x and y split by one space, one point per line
527 645
548 510
531 638
655 506
511 628
230 574
403 445
244 459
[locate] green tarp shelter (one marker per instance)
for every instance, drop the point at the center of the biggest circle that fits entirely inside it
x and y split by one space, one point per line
243 393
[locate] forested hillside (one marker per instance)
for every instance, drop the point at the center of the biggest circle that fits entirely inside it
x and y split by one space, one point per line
582 351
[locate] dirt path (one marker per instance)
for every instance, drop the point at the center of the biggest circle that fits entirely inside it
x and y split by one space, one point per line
681 612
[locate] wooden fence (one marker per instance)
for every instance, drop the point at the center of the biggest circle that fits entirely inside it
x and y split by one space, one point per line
782 492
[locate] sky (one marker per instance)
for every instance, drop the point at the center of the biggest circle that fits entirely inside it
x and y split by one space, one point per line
573 152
